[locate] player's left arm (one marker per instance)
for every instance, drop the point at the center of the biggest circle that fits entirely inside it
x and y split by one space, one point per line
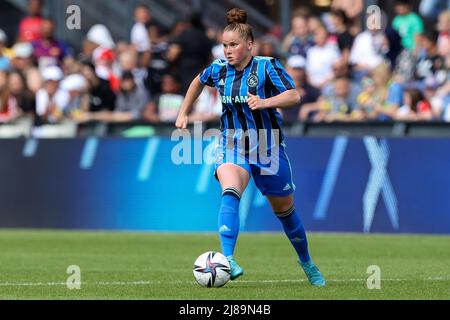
285 99
277 80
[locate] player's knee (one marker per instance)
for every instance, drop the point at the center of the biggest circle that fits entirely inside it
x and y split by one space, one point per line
230 201
281 204
285 213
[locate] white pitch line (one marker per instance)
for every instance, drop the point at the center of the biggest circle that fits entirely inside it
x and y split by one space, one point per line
136 283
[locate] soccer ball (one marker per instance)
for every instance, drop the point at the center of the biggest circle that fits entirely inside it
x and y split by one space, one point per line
212 269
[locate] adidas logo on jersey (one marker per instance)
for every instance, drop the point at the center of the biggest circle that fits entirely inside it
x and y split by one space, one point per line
224 228
221 82
287 187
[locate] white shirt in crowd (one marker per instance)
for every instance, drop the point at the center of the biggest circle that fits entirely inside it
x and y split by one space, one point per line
217 52
140 38
364 51
319 63
61 99
208 103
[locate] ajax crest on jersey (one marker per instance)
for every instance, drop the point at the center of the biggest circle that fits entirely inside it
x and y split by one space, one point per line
252 80
212 269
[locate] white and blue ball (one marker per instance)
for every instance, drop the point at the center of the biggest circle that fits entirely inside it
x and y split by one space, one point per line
212 269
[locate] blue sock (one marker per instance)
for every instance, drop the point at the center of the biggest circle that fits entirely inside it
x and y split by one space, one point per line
229 220
293 227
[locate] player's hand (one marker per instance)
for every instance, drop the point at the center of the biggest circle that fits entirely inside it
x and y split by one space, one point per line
255 102
182 121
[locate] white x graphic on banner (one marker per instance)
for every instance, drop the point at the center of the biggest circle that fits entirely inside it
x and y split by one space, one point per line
378 181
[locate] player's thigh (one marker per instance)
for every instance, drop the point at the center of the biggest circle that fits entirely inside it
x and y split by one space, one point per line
281 204
232 175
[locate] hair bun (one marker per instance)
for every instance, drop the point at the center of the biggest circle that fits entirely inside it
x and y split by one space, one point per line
236 15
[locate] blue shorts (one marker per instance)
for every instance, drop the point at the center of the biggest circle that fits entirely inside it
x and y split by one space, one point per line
272 173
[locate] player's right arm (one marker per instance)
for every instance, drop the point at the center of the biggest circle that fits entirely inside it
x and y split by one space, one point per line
194 91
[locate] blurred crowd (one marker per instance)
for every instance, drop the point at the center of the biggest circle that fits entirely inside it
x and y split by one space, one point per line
343 70
398 72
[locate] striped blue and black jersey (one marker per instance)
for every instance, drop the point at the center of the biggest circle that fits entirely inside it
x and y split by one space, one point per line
263 76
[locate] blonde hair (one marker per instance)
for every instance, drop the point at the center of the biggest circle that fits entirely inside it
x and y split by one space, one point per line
384 74
383 71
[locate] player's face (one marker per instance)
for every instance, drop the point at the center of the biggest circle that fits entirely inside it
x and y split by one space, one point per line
236 49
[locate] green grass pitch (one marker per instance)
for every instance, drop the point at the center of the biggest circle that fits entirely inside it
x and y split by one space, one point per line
118 265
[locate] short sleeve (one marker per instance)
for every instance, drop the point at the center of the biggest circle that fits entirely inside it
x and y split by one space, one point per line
278 76
417 26
206 76
139 37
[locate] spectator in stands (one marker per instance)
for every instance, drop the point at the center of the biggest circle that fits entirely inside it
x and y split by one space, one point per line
268 47
99 49
440 102
407 23
131 101
139 35
101 97
381 99
405 67
443 27
321 59
391 47
340 23
208 107
429 62
367 53
48 50
34 80
190 51
70 65
217 49
336 106
22 56
299 39
23 63
365 100
128 61
295 67
431 8
158 64
8 104
76 86
165 107
25 98
179 27
5 53
51 101
386 41
97 38
353 10
415 107
30 27
431 86
317 69
314 23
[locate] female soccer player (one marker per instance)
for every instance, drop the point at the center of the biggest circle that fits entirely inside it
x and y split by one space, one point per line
251 88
